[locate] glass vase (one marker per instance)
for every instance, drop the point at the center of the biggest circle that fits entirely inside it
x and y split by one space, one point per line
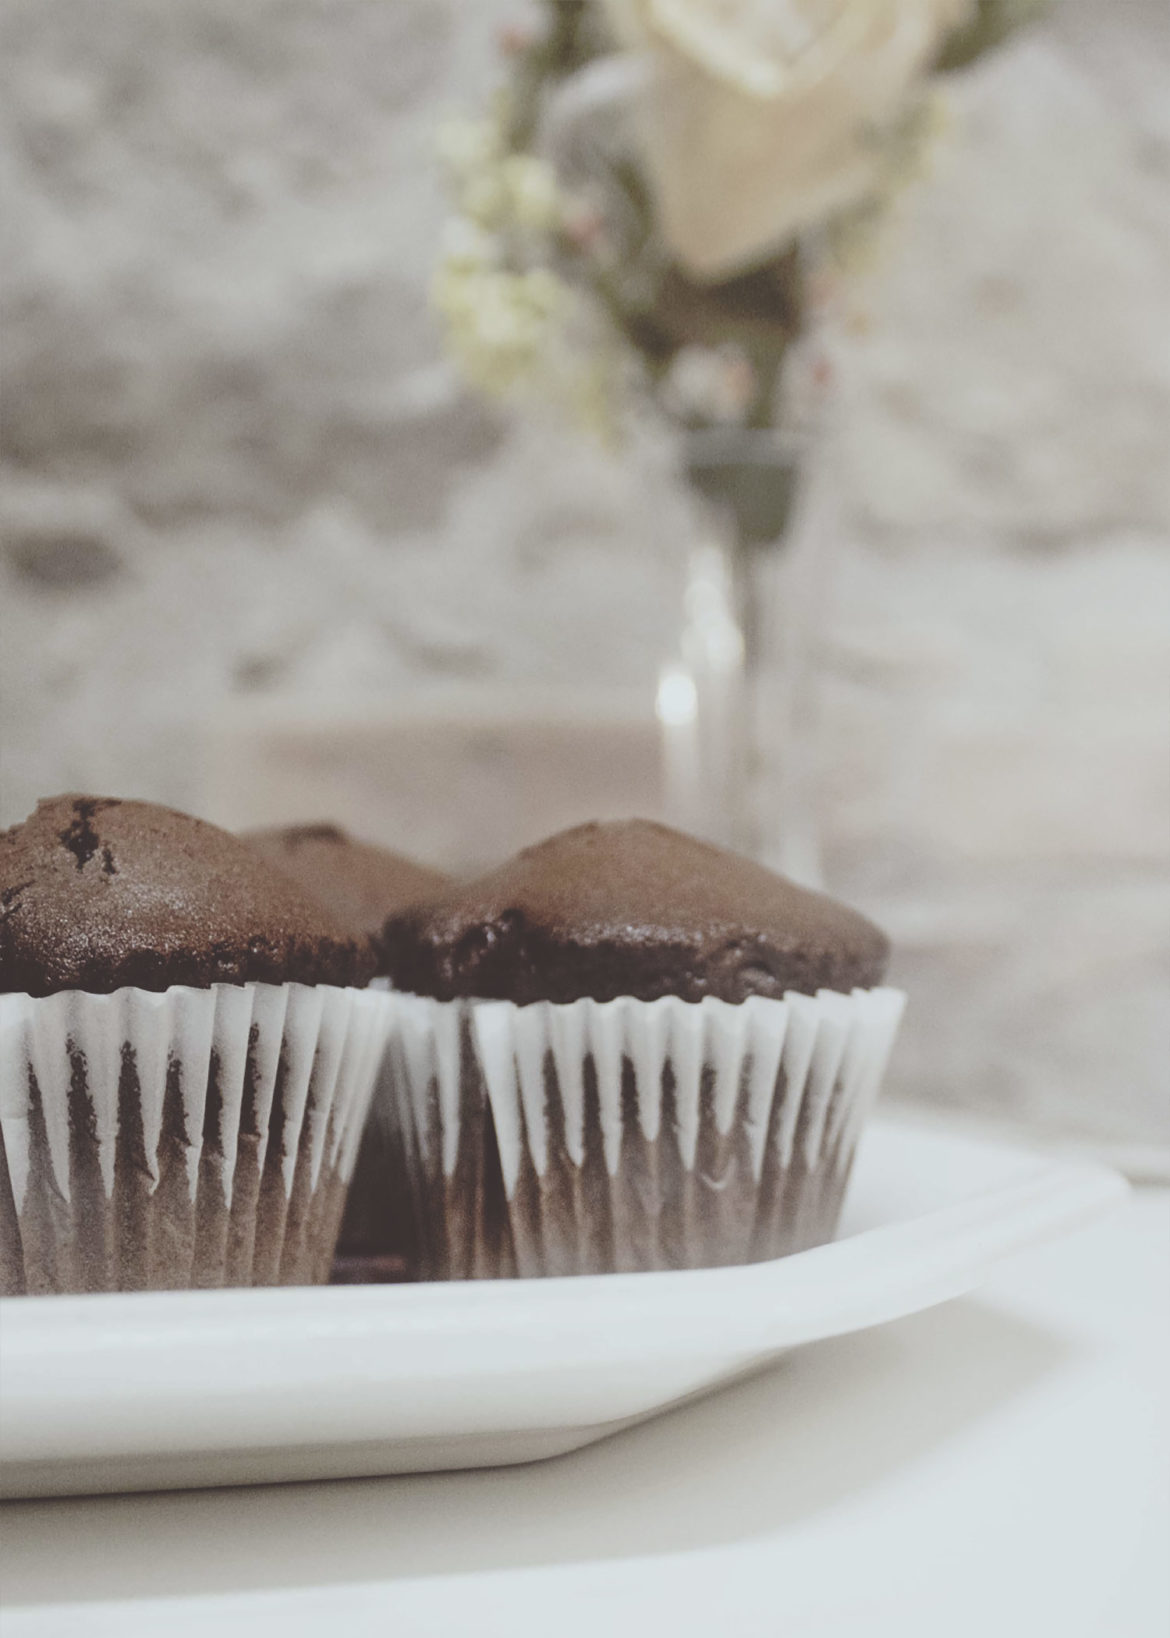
737 700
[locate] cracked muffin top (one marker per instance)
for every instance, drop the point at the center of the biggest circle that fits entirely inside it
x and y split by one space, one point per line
362 884
97 894
631 908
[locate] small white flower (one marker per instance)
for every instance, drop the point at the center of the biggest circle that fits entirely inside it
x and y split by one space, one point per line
467 147
465 244
543 290
499 323
485 199
533 196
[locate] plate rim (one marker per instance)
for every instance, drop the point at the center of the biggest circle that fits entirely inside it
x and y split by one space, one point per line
59 1356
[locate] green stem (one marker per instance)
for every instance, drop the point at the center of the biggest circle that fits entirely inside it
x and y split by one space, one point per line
767 367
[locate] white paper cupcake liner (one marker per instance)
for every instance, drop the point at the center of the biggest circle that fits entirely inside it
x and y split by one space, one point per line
380 1232
628 1135
188 1137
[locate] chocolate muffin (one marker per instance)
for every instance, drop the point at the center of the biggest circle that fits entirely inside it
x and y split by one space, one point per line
365 886
627 1049
187 1051
99 894
362 885
631 909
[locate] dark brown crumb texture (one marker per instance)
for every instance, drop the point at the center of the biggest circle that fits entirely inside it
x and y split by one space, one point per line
360 883
631 909
97 894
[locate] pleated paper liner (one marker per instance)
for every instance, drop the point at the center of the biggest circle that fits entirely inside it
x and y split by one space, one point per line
189 1137
436 1098
379 1239
629 1135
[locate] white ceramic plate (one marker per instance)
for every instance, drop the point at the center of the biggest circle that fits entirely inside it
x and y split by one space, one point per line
176 1389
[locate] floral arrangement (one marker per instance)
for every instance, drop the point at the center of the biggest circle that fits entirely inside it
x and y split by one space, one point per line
665 190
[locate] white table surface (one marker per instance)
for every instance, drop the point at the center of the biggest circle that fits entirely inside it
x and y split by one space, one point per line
1000 1465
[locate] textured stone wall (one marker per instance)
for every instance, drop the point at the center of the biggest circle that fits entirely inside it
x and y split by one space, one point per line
235 466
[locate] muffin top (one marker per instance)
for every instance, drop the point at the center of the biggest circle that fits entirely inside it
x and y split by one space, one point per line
631 909
96 894
362 884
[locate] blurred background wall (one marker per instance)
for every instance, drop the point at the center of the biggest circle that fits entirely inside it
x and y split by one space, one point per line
236 467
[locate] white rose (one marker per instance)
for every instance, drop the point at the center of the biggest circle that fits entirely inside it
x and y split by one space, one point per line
763 117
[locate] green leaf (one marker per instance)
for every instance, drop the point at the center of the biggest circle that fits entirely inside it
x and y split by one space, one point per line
991 24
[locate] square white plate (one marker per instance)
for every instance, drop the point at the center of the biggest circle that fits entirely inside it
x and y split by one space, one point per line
175 1389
